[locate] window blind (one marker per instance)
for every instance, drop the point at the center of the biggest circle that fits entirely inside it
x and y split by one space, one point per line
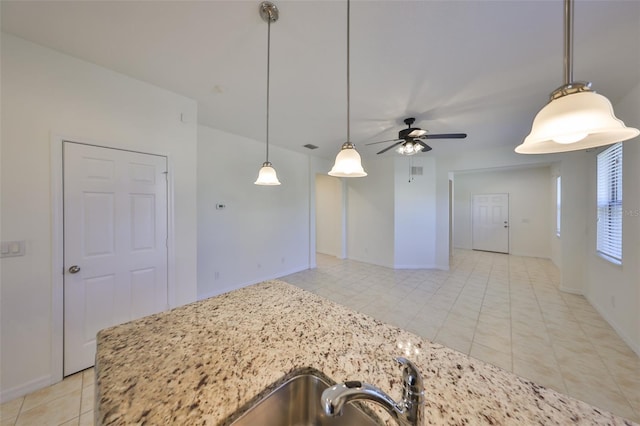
609 230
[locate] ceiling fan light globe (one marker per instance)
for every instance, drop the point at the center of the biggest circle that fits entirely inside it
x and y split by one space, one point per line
267 175
575 122
409 148
348 164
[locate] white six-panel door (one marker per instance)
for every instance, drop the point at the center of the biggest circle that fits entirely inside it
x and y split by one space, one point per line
115 243
490 222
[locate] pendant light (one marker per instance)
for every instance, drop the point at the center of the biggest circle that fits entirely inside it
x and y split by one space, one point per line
576 117
267 174
348 162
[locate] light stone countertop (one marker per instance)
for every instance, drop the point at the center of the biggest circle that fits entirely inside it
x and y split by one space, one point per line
206 361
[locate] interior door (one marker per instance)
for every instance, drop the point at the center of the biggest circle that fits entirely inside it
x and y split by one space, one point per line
115 243
491 222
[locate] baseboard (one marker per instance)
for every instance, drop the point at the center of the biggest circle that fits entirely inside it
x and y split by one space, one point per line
429 266
524 254
31 386
369 261
571 290
237 286
337 255
443 267
629 341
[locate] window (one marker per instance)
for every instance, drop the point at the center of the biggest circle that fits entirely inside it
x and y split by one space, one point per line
558 203
609 239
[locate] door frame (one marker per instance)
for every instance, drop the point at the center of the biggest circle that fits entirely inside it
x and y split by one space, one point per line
57 243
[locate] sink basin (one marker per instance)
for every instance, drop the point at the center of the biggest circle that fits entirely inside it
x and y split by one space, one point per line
297 403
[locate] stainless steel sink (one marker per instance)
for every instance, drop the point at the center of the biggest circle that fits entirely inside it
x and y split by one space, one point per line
297 403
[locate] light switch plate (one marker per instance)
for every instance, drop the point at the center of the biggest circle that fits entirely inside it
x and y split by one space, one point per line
12 248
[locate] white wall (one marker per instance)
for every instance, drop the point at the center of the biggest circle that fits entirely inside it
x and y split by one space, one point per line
615 289
329 215
46 93
469 160
263 232
370 213
415 213
576 206
530 229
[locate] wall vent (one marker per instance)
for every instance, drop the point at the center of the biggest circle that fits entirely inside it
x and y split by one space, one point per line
416 170
310 146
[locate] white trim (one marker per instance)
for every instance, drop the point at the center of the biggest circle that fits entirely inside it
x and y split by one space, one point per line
57 262
311 206
30 386
171 252
344 218
57 249
425 266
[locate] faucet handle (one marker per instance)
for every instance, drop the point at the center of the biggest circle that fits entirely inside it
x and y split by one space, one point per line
411 379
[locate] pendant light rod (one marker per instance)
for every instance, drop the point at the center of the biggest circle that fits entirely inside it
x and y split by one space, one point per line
268 75
348 73
269 13
568 42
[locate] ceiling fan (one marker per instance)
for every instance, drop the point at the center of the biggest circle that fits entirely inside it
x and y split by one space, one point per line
411 140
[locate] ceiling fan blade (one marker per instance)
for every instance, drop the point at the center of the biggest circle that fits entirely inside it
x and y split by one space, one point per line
391 146
425 147
390 140
445 136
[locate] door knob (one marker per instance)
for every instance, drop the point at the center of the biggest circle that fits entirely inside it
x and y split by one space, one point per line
74 269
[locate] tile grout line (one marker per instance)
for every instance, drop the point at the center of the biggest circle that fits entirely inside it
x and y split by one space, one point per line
546 329
484 295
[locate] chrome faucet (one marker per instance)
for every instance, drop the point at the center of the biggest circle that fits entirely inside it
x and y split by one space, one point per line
408 412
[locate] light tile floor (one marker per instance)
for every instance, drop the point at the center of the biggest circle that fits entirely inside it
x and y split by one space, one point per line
68 403
502 309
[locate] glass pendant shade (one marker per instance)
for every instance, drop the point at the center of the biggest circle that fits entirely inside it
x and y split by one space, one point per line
575 122
348 163
267 175
576 117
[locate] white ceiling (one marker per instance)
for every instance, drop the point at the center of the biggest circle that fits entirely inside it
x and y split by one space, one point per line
480 67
